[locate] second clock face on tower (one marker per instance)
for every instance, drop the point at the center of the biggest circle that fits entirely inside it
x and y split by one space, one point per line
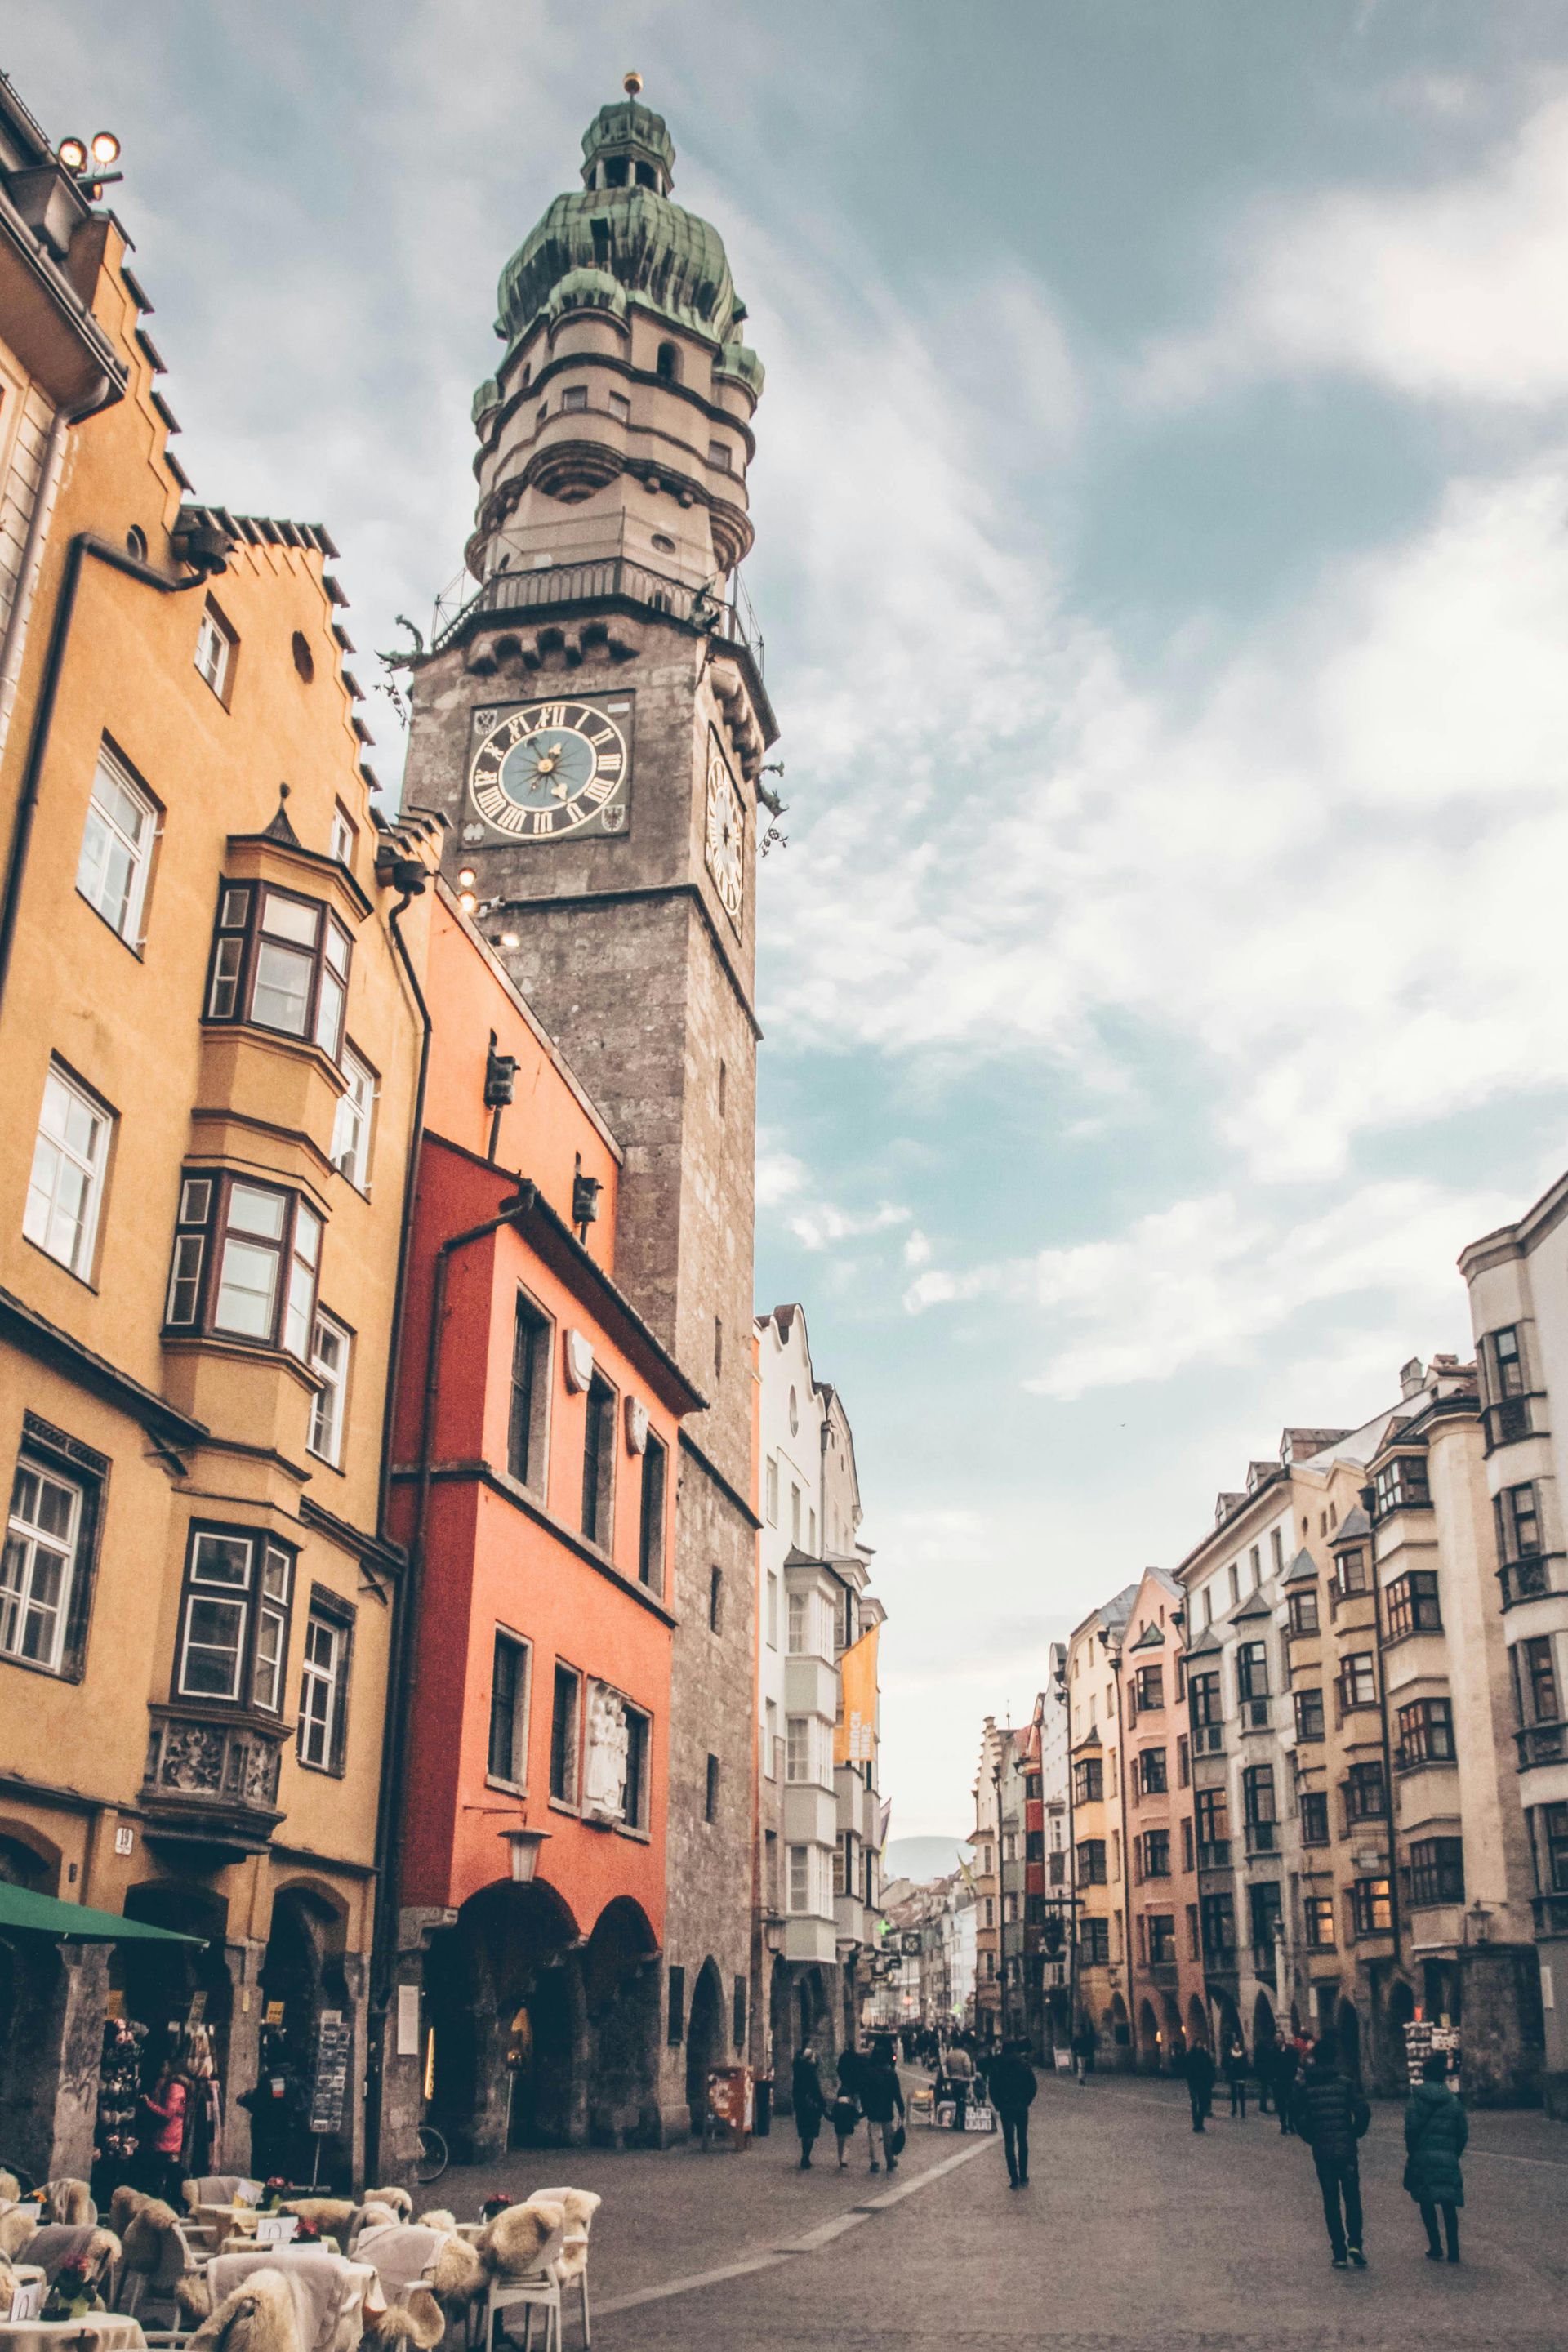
542 770
725 835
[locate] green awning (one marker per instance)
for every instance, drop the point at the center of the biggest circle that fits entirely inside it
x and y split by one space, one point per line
20 1907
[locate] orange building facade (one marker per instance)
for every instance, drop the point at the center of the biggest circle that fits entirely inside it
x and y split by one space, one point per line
1165 1954
534 1490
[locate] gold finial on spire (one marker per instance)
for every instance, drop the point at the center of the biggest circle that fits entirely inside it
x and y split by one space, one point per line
632 85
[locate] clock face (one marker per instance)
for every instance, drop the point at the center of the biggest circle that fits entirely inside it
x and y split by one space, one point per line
541 771
726 844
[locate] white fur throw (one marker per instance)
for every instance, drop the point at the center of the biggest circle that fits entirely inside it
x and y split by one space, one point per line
153 2243
58 2244
511 2246
69 2203
326 2287
261 2316
399 2199
16 2228
418 2320
408 2254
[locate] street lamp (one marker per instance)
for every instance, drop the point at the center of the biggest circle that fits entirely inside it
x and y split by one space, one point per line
523 1844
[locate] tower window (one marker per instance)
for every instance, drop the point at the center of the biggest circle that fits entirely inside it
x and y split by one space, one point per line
575 396
618 172
620 407
718 455
647 177
668 364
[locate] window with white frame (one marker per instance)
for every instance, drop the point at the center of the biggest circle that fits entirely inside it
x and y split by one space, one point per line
117 848
216 644
280 963
329 1362
324 1686
70 1159
43 1538
233 1618
352 1120
344 835
773 1490
806 1750
246 1263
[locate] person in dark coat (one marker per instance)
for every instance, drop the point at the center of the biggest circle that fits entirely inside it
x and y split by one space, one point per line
1198 2068
1283 2066
1332 2116
806 2093
1435 2130
882 2102
1083 2053
1236 2077
1013 2089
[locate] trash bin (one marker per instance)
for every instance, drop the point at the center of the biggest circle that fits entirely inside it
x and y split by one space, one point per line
762 2105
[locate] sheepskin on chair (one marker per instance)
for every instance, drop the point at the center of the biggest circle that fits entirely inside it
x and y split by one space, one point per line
16 2228
126 2202
511 2245
410 2255
437 2218
192 2298
399 2199
259 2316
69 2203
330 2215
416 2319
153 2246
55 2243
10 2187
580 2205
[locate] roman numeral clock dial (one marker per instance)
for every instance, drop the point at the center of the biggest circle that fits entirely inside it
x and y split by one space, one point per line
726 835
542 770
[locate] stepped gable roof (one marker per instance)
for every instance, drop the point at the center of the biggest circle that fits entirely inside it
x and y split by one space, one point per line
263 531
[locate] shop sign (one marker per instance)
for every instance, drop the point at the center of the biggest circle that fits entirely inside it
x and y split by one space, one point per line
273 2014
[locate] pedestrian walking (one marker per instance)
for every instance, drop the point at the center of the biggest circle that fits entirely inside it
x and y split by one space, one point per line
1331 2115
168 2103
806 2093
1198 2068
1435 2130
1283 2067
883 2102
1013 2088
1236 2077
844 2115
960 2073
1083 2053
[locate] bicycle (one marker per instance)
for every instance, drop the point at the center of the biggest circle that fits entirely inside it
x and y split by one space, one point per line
433 2155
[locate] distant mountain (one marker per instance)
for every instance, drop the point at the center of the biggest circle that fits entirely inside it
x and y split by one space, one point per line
921 1858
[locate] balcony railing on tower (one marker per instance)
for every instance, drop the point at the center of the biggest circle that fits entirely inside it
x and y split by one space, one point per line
720 608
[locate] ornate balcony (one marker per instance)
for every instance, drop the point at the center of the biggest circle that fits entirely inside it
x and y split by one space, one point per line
212 1775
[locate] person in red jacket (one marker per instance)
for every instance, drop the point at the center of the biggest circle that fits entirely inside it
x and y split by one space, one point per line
166 2104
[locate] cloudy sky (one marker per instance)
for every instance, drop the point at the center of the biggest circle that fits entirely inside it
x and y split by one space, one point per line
1161 509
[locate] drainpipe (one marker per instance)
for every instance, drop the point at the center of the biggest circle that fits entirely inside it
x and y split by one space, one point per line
395 1740
81 546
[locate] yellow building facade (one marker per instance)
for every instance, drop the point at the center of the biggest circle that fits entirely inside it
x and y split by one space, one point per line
211 1050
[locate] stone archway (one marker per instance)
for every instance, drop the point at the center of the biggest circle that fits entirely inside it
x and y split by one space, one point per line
508 2022
1148 2039
1116 2033
302 1974
164 1984
1172 2048
705 2040
621 2002
1263 2026
1197 2024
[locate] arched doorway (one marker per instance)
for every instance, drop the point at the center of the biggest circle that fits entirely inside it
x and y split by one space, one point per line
705 2040
1262 2023
1347 2033
1174 2047
621 2003
168 1987
1197 2025
1148 2039
507 2063
1117 2031
301 1977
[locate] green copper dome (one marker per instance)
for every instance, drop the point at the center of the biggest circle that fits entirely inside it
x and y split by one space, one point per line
622 225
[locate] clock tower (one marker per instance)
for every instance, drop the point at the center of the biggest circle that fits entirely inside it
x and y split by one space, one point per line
592 720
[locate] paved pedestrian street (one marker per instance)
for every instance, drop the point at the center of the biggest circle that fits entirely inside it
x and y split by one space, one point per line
1135 2233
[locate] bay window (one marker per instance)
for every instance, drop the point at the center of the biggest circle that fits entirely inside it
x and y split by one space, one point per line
1437 1871
280 962
1413 1605
233 1618
246 1264
1426 1729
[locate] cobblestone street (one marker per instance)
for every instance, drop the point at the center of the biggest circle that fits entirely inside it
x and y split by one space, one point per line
1134 2233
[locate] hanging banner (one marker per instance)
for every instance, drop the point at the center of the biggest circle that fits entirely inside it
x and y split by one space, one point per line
855 1733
